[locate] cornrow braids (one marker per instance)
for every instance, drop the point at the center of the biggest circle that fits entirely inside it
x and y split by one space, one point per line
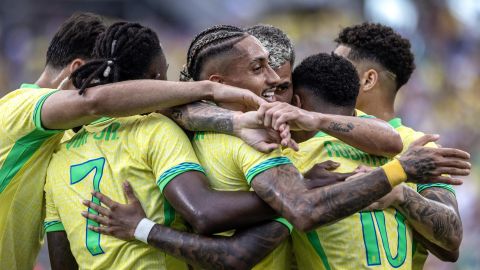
74 39
124 51
210 42
276 42
381 44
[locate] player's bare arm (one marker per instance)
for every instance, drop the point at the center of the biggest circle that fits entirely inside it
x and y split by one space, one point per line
201 116
67 109
241 251
210 211
307 209
61 256
373 136
442 254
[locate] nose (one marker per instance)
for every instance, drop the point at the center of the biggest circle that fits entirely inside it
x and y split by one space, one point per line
272 77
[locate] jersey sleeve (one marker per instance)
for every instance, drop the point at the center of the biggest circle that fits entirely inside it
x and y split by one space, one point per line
21 113
253 162
52 221
169 152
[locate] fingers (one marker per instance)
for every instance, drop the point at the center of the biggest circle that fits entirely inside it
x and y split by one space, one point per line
263 109
104 199
293 144
329 165
100 220
100 209
455 163
424 140
452 171
451 152
266 147
102 230
285 134
446 180
128 190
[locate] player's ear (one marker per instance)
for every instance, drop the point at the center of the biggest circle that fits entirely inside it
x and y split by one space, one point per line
216 78
75 64
297 101
369 79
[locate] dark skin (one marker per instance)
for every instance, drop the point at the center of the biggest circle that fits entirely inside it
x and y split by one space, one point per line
377 97
339 200
61 256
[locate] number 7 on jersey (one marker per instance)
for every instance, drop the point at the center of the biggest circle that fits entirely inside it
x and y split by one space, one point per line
79 172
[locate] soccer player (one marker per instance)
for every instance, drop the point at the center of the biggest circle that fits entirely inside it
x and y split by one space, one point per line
35 115
384 62
121 220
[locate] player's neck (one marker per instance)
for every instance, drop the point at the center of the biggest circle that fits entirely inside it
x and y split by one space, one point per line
380 106
50 78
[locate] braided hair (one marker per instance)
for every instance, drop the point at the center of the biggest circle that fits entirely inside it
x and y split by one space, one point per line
74 39
276 42
123 52
210 42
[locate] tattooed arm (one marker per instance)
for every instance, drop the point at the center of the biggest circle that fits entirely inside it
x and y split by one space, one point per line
433 214
373 136
281 187
61 256
241 251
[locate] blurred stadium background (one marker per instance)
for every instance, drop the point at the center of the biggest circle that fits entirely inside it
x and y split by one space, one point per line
442 96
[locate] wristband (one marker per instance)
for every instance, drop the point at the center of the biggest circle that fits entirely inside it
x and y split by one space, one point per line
285 223
143 230
394 172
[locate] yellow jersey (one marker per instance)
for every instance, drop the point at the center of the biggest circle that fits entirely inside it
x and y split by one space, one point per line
230 165
149 151
364 240
25 150
408 136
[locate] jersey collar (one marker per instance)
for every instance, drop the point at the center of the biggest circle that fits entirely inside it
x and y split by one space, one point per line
395 122
29 85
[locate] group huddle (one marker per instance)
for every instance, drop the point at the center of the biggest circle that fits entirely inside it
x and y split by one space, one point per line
246 162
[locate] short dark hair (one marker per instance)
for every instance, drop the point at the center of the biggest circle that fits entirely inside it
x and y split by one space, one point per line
211 42
330 77
276 42
74 39
381 44
125 51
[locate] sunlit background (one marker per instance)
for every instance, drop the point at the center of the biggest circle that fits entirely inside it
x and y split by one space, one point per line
441 97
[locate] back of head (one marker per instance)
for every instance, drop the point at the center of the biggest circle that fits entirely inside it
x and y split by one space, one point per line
382 45
125 51
212 42
331 78
276 42
75 39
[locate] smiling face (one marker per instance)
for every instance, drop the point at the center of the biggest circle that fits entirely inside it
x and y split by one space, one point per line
248 68
284 91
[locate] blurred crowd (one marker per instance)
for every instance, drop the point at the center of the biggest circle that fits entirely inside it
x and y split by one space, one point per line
441 97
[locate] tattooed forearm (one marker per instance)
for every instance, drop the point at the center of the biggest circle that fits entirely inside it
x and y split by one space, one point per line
201 116
61 256
241 251
340 127
434 216
283 190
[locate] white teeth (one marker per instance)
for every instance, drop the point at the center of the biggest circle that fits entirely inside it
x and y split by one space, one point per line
268 94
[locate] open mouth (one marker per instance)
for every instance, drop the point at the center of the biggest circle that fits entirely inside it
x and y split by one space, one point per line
269 95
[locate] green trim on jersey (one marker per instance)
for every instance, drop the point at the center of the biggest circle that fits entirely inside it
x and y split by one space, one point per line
21 152
395 122
422 187
168 212
265 165
285 222
321 134
53 226
100 120
366 116
29 85
315 242
37 117
173 172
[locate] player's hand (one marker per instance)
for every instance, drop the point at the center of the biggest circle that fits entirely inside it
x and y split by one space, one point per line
117 220
278 113
321 175
389 200
247 127
359 171
429 165
228 96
